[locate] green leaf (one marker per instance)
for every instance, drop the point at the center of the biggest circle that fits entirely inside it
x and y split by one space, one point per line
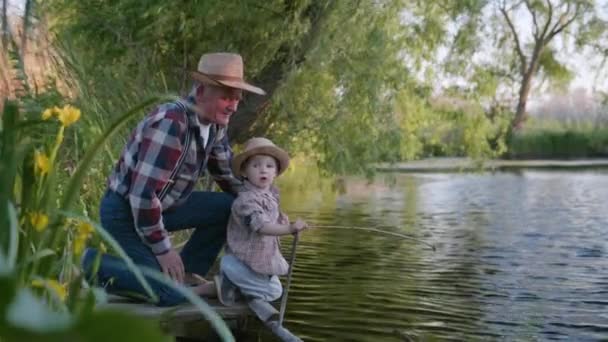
117 327
13 245
28 312
43 253
118 249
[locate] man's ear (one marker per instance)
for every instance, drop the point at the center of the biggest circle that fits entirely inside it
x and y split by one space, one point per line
200 90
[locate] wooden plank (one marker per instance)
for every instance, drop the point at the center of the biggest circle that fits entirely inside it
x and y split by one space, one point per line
183 320
184 312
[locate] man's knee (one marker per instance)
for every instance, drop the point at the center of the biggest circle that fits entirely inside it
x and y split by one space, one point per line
224 201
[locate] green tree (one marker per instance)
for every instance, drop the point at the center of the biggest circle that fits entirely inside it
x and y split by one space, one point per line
338 73
333 69
527 37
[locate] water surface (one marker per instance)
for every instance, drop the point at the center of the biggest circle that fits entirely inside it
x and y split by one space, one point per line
519 257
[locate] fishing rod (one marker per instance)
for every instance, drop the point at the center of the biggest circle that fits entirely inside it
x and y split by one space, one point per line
402 236
295 244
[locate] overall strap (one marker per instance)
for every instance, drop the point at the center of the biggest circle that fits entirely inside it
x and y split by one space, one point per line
181 159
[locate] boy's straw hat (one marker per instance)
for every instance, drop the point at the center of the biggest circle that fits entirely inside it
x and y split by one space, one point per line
224 69
264 146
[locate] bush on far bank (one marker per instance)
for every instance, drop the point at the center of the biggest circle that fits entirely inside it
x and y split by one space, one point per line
575 143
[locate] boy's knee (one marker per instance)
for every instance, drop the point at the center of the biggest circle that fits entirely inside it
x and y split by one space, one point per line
274 292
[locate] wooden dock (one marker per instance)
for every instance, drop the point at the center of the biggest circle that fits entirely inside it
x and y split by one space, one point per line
184 320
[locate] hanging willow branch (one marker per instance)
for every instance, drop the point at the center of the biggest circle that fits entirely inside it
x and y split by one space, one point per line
401 236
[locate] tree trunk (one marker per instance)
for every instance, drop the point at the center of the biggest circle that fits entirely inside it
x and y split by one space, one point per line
526 85
241 127
524 92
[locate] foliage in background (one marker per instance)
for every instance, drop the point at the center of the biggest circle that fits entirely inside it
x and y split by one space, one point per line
335 71
523 44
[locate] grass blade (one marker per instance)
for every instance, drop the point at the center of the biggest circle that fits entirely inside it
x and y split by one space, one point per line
212 317
13 245
116 247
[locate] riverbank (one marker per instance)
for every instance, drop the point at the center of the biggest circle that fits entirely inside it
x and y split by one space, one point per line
466 164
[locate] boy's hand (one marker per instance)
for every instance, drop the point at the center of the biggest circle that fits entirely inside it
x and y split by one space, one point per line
283 219
298 226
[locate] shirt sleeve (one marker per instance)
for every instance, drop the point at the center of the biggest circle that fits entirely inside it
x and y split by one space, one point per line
159 150
220 169
250 212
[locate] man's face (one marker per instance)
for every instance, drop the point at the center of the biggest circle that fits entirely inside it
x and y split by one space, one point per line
217 104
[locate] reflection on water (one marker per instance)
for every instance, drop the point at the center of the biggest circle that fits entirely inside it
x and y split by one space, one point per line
520 256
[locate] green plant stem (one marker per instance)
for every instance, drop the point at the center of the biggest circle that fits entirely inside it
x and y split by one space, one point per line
114 245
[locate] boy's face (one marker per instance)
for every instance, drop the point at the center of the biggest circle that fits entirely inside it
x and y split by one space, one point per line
261 170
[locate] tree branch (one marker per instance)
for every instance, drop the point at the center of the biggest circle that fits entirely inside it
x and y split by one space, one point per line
557 29
531 10
264 8
270 77
520 52
547 24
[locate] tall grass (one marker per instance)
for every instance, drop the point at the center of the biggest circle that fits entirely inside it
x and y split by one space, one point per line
51 169
560 139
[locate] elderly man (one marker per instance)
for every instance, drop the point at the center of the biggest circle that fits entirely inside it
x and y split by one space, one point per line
150 191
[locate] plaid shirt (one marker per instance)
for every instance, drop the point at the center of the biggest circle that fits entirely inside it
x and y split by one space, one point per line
251 210
150 157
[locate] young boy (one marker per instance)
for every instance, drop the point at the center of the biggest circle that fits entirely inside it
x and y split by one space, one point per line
253 260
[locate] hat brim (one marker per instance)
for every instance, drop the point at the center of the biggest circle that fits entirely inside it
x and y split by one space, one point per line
273 151
231 84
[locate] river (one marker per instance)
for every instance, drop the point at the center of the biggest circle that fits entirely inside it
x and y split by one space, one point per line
519 256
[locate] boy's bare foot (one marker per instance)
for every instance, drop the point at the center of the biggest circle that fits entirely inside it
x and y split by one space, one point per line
206 290
194 279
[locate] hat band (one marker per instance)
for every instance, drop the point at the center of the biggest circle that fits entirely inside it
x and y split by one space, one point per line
224 77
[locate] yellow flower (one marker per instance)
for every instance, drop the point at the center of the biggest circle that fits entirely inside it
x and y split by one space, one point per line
85 229
42 163
48 113
39 221
79 244
68 115
60 290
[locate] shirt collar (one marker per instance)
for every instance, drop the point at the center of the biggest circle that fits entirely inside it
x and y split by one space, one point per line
253 188
189 102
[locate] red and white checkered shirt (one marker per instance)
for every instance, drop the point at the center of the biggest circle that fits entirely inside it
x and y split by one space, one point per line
150 157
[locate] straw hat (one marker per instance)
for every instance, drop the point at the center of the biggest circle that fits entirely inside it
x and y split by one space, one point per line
225 69
255 146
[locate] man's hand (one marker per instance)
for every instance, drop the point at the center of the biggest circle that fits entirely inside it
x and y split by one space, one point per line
298 226
171 265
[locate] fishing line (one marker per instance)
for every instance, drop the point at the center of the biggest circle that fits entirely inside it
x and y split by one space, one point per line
402 236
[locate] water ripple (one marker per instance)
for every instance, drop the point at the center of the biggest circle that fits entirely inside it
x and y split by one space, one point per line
520 257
